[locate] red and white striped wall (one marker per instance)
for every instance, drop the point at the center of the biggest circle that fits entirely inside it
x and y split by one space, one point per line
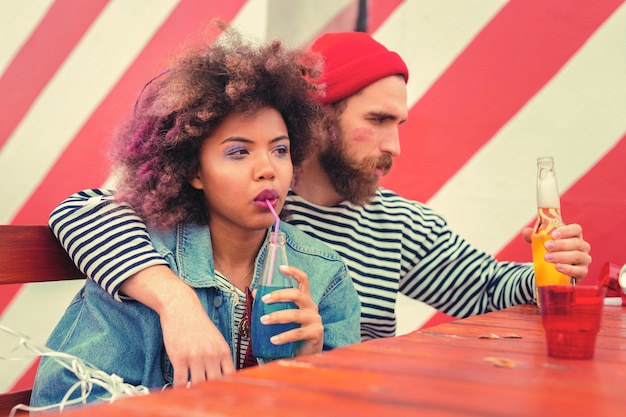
493 85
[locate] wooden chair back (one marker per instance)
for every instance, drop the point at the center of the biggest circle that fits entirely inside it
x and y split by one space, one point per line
30 254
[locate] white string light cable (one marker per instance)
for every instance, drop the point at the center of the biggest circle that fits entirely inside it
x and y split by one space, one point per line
88 376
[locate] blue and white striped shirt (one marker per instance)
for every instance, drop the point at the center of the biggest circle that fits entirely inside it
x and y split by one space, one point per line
390 245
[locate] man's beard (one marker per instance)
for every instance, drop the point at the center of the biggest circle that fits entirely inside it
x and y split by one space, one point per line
353 180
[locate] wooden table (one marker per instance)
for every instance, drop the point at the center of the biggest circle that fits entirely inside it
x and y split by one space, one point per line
446 370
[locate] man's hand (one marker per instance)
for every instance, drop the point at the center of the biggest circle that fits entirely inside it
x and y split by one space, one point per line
196 347
567 249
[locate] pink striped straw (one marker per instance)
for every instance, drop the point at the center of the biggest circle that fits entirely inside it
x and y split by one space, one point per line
273 254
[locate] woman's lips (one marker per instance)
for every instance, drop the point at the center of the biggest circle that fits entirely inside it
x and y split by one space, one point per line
266 195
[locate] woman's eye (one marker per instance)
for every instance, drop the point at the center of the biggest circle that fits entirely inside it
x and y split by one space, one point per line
236 151
282 150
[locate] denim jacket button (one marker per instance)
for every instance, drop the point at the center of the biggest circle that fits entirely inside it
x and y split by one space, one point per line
217 301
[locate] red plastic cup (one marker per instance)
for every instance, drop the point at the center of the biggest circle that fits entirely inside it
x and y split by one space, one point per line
571 317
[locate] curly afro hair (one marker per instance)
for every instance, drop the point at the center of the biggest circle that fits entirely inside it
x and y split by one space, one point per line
157 150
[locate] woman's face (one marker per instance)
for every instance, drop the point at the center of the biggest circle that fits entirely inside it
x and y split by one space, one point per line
243 164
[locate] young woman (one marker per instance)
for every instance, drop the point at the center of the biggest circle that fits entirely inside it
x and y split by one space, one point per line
210 144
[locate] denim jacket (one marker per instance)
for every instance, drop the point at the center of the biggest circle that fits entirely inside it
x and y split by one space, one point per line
125 339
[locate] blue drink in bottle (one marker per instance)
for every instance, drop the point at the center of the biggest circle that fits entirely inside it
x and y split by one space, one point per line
272 279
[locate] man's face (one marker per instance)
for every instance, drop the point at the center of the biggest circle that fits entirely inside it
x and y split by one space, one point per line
368 139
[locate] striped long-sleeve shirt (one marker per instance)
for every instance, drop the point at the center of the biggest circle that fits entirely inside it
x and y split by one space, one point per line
390 245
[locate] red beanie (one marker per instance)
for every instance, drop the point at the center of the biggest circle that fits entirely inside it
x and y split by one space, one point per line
354 60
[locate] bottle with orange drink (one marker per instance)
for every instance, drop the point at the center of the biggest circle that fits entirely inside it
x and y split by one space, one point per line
548 219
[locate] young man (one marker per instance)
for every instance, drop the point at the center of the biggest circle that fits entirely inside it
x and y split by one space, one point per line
390 244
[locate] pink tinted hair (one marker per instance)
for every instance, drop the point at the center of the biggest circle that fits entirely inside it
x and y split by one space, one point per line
156 151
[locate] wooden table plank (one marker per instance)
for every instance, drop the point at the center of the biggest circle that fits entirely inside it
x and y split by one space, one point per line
438 371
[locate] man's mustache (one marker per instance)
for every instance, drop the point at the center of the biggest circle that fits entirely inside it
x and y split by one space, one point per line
383 162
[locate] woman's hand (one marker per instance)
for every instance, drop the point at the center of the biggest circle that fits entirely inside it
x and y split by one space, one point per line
311 330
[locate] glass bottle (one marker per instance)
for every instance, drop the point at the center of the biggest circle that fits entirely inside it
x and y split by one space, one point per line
272 279
548 219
